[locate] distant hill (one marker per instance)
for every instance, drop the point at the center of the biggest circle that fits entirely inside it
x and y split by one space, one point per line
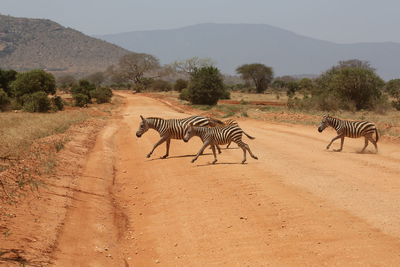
37 43
231 45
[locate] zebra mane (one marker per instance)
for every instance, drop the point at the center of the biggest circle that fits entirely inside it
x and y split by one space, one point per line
154 118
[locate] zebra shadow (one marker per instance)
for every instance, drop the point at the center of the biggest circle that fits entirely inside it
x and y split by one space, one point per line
180 156
353 152
220 163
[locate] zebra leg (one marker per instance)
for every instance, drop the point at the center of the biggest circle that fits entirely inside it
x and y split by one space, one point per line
337 137
206 144
365 145
373 142
162 140
215 154
228 145
341 145
219 149
168 142
243 147
251 154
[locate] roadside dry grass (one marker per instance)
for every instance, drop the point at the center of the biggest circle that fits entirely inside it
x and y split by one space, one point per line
19 130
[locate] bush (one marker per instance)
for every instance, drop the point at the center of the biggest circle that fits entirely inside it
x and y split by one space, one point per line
36 102
6 77
57 103
102 95
226 94
206 86
33 81
4 100
180 84
83 87
184 95
80 100
354 86
161 86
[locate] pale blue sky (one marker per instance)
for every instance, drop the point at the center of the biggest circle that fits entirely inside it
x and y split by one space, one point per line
341 21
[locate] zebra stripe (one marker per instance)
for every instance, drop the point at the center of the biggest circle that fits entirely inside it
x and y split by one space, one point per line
171 128
352 129
218 136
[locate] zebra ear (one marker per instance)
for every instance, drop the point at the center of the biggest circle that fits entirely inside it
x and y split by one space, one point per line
142 117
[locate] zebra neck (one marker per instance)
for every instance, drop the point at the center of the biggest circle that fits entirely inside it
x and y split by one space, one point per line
199 131
335 123
155 123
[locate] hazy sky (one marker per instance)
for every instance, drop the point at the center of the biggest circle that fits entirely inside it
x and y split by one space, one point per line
341 21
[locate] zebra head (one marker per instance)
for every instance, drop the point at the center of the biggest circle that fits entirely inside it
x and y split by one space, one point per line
189 132
143 127
324 123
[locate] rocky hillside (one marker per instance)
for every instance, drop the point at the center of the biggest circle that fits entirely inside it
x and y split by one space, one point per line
36 43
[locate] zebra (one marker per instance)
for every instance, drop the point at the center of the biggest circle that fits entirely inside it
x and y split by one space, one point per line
231 122
218 136
352 129
171 128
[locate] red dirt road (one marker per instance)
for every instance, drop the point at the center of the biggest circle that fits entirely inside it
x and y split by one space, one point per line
298 205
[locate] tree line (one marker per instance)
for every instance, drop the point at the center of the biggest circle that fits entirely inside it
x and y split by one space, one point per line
350 85
36 91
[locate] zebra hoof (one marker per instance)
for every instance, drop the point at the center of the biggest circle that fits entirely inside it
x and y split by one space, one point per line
337 150
243 161
193 160
255 157
214 161
164 157
148 155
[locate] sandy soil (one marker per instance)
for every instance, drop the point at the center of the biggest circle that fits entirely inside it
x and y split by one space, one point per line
298 205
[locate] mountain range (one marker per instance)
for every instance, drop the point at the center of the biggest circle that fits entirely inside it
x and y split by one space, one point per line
231 45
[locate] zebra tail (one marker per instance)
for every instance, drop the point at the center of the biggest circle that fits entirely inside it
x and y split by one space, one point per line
377 135
248 136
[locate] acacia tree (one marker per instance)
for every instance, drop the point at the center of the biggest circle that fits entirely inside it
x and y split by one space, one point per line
188 66
259 74
133 66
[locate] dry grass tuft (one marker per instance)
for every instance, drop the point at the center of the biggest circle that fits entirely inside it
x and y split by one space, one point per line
19 130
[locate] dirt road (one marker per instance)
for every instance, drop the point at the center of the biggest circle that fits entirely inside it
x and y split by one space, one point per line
298 205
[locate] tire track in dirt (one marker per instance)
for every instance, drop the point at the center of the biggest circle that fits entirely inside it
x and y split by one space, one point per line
94 223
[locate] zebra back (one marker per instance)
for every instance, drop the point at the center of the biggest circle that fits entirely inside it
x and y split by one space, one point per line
175 128
219 135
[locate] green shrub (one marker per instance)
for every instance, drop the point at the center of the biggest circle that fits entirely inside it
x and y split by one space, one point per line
102 95
206 86
4 100
226 94
36 102
33 81
180 84
6 77
80 100
58 103
184 95
83 87
356 87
